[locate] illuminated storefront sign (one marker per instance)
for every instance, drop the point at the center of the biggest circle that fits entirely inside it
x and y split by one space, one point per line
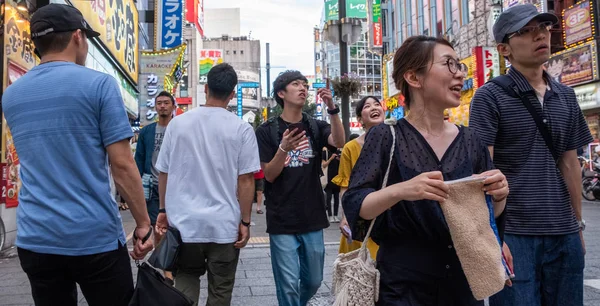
117 23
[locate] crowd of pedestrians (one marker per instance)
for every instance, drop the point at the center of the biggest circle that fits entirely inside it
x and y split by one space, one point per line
200 172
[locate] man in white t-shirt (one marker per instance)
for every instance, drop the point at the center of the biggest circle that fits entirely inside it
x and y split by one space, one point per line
207 156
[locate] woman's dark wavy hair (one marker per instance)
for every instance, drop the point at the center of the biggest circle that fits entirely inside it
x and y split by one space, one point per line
415 54
283 80
361 104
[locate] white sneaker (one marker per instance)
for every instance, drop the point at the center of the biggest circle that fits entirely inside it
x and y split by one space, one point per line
331 219
335 219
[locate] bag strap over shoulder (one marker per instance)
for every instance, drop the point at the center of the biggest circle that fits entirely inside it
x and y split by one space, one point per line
391 124
508 84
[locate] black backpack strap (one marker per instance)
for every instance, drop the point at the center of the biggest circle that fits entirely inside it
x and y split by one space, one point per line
316 135
509 86
273 125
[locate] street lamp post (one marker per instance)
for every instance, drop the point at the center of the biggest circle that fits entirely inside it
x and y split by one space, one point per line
344 69
345 31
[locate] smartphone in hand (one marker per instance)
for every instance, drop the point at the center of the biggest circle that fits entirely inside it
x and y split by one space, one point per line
299 127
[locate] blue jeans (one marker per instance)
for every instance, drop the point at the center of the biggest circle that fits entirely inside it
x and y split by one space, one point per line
548 271
297 262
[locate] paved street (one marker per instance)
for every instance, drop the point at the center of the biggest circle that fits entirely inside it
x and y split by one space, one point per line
254 282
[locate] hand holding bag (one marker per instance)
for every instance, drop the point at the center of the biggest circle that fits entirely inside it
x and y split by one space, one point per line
151 288
355 277
165 255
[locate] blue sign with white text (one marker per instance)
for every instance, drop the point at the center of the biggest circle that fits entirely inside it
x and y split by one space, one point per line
241 86
171 24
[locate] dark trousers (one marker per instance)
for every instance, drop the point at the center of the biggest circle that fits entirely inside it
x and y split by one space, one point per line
104 278
153 204
548 271
335 194
220 260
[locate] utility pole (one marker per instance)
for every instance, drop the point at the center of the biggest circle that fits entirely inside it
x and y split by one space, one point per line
344 70
268 78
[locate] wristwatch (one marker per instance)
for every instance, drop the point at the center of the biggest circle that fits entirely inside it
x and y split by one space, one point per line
246 224
162 211
581 225
334 111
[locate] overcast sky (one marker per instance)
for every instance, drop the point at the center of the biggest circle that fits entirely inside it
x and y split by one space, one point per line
286 24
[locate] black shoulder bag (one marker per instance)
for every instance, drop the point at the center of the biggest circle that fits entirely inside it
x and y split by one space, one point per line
507 83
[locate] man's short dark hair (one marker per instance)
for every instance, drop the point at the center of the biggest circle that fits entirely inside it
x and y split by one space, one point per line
222 80
53 42
283 80
166 94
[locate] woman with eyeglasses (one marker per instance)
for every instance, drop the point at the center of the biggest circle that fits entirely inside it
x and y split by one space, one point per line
416 258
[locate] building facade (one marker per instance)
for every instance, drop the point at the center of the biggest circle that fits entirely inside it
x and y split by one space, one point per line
244 55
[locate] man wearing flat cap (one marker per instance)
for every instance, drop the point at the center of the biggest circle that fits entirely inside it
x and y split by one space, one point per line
69 128
533 127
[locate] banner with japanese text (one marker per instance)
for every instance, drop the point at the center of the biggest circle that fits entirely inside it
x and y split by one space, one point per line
208 59
168 24
376 28
117 23
154 67
577 23
354 9
18 58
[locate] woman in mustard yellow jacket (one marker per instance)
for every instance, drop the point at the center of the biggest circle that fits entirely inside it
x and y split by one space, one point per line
369 112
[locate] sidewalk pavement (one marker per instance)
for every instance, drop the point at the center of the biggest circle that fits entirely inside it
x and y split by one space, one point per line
254 278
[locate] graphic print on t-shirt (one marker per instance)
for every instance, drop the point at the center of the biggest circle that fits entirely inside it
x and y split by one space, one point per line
300 156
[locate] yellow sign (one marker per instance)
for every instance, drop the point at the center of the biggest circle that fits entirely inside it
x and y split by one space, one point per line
18 58
460 114
117 23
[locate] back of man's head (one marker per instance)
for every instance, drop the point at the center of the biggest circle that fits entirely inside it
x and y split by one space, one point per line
221 82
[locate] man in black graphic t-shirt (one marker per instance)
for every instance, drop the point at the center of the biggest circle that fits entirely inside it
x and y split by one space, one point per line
290 148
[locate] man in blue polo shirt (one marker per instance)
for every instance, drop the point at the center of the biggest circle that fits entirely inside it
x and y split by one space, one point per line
533 127
69 125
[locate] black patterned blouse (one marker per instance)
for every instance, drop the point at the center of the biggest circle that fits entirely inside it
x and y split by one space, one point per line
412 235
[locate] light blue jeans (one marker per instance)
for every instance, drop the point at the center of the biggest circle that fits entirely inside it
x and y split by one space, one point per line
297 262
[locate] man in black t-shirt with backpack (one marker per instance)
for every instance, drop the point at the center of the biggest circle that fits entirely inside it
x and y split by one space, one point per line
290 155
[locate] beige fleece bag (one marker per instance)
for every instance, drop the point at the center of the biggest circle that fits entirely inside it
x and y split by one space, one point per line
476 245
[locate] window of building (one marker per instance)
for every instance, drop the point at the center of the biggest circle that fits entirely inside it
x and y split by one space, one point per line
414 20
469 7
426 23
465 12
420 20
377 70
234 52
439 20
447 16
227 52
456 16
408 18
370 70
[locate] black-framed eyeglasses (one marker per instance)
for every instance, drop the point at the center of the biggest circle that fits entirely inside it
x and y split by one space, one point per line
542 27
454 66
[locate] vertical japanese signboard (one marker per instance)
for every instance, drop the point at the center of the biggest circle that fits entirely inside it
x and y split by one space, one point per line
487 65
18 58
169 24
154 67
578 23
117 23
377 31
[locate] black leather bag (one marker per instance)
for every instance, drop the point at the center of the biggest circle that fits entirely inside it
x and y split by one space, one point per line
152 289
165 255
